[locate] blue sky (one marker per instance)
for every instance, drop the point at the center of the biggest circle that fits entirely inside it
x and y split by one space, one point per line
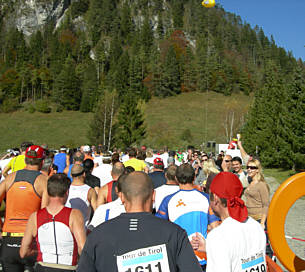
284 19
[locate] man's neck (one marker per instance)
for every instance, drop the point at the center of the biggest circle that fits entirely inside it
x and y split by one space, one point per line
136 207
32 167
78 182
55 205
224 214
171 182
187 186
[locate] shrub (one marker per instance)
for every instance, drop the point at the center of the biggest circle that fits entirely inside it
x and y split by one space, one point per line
42 106
59 108
31 108
9 105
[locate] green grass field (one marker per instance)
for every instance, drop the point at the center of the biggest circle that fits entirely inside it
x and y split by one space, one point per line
69 128
167 122
203 114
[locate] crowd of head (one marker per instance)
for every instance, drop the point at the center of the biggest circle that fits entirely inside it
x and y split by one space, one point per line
83 188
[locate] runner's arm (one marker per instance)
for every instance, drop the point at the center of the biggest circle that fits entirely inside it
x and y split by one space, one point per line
243 153
6 169
102 195
92 198
2 190
66 170
67 160
43 181
26 248
77 227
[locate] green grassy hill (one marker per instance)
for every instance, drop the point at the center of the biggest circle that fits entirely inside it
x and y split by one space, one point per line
174 121
69 128
192 118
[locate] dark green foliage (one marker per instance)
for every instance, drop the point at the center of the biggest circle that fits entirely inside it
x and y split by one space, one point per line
130 128
170 76
66 87
9 105
42 106
79 7
89 88
275 121
154 47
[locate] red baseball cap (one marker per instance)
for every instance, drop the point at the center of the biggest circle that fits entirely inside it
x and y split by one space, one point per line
227 185
158 161
37 152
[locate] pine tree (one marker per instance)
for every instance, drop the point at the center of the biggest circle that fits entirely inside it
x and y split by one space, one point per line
130 128
66 87
170 77
265 126
89 88
296 112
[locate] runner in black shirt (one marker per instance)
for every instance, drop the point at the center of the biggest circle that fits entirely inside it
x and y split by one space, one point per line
91 180
137 241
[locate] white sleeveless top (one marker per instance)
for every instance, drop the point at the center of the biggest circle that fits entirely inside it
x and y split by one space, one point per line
78 199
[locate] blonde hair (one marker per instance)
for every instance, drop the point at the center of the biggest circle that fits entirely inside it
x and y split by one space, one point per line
149 153
260 175
209 167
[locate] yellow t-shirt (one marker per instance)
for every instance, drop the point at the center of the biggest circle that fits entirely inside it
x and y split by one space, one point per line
138 165
17 163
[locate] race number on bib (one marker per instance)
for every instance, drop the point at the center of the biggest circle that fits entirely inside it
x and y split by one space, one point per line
150 259
254 263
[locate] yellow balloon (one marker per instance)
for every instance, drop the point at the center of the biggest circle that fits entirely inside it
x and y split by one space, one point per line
208 3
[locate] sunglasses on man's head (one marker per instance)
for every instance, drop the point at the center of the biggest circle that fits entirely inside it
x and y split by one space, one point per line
252 167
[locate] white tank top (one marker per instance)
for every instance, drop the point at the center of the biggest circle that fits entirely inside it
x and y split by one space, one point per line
78 199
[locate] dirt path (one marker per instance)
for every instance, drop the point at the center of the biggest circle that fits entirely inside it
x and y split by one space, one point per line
295 222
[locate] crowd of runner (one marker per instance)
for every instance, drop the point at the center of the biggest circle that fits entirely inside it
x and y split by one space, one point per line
87 209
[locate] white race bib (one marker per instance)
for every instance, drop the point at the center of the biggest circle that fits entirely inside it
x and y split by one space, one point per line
150 259
254 263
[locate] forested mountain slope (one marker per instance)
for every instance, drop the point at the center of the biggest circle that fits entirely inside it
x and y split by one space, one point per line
106 55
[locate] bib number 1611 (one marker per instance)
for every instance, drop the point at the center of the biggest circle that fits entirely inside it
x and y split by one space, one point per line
258 268
149 268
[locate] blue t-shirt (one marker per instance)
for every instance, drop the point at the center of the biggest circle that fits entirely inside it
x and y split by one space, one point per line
60 161
190 210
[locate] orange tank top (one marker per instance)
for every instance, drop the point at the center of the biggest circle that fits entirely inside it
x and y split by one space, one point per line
21 201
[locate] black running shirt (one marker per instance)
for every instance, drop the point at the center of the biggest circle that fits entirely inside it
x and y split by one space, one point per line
138 242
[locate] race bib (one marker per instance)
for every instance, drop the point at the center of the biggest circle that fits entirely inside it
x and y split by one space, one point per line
254 263
150 259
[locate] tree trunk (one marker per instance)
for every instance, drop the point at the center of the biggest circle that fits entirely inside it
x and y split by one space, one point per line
110 126
105 119
21 94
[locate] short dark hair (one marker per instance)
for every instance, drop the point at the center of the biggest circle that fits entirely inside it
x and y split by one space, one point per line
132 152
58 185
170 173
129 169
237 159
223 201
185 173
137 185
118 169
33 161
88 165
78 156
115 158
141 155
120 181
25 145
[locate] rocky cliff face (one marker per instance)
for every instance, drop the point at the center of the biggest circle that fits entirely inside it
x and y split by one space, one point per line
30 15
